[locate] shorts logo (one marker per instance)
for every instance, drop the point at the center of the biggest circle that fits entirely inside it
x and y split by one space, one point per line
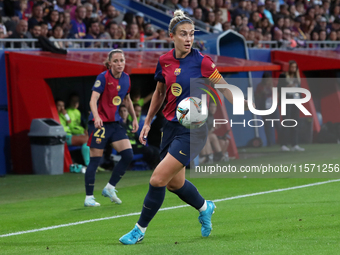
176 89
118 87
116 100
98 140
180 152
97 84
177 71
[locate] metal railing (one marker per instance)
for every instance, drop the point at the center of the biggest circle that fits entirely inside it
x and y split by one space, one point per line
286 45
88 43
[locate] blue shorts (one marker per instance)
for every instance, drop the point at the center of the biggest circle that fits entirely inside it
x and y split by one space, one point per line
109 133
182 143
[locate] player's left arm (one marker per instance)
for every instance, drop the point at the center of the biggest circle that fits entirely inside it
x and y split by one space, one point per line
209 70
131 110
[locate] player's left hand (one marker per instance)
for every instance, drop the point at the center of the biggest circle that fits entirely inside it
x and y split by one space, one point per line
135 126
246 107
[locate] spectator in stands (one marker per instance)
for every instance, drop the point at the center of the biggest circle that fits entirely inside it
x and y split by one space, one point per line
133 34
237 22
162 35
322 37
140 21
241 9
292 11
150 33
109 15
336 24
22 9
173 4
58 33
36 17
60 6
314 37
288 22
254 21
265 25
78 27
279 22
19 33
290 79
44 29
226 26
102 6
264 101
245 21
332 38
267 13
34 32
72 7
300 10
335 13
67 26
308 26
184 6
225 16
198 14
4 30
244 30
205 9
297 32
88 16
52 20
2 34
93 33
211 20
193 4
78 139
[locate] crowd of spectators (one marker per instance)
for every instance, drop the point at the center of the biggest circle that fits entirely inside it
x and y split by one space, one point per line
73 19
295 21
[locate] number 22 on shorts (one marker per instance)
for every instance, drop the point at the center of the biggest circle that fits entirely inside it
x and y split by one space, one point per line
96 134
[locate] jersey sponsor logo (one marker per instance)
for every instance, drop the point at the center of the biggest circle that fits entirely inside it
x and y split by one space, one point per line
177 71
97 83
176 89
109 83
118 87
116 100
213 65
167 65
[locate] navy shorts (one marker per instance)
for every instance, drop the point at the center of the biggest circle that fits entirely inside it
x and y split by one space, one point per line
109 133
182 143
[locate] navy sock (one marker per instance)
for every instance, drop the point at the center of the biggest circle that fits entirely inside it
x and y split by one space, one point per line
190 195
152 202
120 168
91 174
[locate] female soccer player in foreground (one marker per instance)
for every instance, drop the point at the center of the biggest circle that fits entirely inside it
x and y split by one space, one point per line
173 74
110 89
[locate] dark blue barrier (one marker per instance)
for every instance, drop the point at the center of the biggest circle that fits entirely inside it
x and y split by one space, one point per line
4 128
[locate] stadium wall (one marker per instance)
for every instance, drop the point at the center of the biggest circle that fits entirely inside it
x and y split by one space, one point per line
4 129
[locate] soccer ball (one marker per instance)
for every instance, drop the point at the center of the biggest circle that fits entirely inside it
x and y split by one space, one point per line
189 113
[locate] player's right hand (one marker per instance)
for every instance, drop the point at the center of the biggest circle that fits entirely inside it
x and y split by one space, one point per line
144 134
98 123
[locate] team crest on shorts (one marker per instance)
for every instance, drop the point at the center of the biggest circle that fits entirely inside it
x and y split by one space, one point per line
118 87
177 71
98 140
116 100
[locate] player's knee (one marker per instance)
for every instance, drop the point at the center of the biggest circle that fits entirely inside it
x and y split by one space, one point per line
173 186
158 181
127 155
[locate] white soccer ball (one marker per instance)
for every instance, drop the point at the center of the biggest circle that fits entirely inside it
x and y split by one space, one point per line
189 113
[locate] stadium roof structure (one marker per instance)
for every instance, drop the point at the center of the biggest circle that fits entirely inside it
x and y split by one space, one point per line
144 62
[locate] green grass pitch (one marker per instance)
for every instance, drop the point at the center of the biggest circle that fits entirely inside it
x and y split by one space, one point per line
297 221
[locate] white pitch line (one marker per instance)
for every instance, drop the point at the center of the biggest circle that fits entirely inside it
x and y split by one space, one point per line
167 208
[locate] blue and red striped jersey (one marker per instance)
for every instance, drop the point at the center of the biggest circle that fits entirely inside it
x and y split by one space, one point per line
112 91
176 74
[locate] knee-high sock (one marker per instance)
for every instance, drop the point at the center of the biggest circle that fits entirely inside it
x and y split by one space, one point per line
91 174
120 168
190 195
152 202
85 151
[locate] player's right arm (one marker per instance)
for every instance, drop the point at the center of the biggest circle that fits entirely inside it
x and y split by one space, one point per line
98 123
97 90
156 103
